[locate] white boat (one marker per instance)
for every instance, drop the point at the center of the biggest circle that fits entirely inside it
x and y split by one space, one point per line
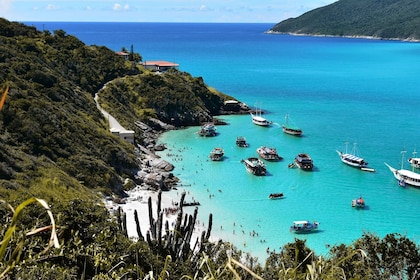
358 203
414 161
353 159
258 119
290 128
255 166
217 154
207 130
241 142
404 176
304 226
268 153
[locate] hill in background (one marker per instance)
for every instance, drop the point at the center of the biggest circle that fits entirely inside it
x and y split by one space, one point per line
383 19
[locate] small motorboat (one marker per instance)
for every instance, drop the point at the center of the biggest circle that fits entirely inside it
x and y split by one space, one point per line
358 203
303 226
276 195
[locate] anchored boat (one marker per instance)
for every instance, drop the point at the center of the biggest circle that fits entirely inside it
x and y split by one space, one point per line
268 153
255 166
217 154
241 142
353 159
404 176
303 226
304 162
290 128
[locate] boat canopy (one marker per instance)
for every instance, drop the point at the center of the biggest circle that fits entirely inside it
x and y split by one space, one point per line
352 158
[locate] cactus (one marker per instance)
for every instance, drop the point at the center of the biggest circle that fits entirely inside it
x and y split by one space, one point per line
124 224
209 227
136 219
176 243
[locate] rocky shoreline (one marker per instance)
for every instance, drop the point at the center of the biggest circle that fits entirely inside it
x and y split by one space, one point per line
154 173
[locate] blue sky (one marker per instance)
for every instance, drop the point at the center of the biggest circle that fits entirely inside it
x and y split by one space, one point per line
270 11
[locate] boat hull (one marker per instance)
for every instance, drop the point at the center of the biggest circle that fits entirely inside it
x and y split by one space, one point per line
275 195
304 227
267 153
405 177
353 161
255 166
258 120
292 131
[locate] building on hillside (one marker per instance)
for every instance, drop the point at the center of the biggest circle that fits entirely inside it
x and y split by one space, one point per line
123 54
159 65
126 135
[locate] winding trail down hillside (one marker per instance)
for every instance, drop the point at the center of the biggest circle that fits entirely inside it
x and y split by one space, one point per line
113 123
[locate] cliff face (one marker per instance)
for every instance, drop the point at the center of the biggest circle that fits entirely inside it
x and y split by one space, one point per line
384 19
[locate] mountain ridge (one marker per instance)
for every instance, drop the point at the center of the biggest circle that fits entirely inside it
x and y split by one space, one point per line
378 19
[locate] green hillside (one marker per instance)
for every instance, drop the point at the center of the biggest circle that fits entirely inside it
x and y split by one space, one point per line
385 19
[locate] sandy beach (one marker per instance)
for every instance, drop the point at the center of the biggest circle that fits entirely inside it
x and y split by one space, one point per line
138 200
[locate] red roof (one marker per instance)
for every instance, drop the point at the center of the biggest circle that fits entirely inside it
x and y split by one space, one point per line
160 63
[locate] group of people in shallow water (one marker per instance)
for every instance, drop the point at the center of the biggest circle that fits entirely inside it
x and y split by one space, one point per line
252 233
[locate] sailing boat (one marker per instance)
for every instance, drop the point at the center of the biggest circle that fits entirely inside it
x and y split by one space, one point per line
290 128
258 119
404 176
353 159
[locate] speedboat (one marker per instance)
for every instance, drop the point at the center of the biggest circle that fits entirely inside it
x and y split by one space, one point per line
217 154
268 153
255 166
275 195
303 226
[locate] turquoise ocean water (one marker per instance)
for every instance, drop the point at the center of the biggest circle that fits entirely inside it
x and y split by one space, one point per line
335 89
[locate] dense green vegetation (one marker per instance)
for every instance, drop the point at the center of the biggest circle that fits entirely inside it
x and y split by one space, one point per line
387 19
55 145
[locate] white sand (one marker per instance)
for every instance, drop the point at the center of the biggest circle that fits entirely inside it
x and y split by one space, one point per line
137 200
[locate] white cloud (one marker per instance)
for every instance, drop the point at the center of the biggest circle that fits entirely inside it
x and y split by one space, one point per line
119 7
51 7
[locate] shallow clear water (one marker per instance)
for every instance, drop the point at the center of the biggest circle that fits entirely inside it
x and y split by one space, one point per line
335 89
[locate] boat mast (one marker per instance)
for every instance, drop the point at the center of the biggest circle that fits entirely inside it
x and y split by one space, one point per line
402 158
414 155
